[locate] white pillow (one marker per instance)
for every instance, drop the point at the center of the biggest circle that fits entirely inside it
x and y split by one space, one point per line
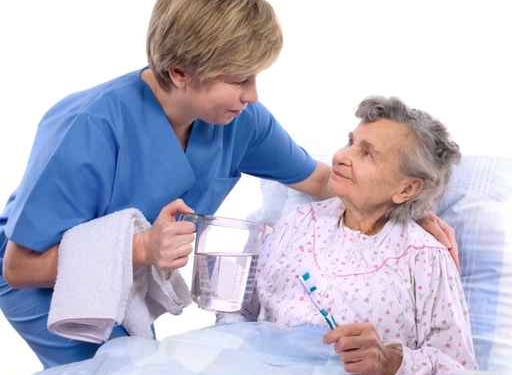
478 204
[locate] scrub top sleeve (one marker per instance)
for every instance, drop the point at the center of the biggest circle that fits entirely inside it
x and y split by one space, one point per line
272 153
73 186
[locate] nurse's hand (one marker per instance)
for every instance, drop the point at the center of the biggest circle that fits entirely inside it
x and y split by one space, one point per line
168 243
443 233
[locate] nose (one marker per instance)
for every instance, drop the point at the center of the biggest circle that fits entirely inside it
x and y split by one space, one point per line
249 92
342 157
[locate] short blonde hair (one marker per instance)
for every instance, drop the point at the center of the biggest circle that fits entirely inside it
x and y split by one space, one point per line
212 38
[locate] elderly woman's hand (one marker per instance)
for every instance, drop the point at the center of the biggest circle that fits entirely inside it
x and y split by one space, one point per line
168 243
361 350
443 233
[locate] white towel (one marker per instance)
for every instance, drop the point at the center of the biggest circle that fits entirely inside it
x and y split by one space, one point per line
96 288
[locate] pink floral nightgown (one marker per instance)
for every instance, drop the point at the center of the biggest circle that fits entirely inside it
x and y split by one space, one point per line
401 279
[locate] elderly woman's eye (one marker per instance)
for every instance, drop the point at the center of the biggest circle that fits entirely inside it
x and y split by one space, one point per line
366 153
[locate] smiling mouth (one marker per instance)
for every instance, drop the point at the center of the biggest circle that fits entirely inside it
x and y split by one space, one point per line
339 175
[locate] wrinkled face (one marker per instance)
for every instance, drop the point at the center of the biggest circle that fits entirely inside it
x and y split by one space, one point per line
219 101
365 173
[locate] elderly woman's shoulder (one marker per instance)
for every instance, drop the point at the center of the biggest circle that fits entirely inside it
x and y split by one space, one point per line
421 244
418 237
331 208
313 211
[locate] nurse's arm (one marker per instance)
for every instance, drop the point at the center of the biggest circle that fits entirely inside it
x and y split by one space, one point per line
316 184
24 268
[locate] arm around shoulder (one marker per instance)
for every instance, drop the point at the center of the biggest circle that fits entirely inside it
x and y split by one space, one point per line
316 183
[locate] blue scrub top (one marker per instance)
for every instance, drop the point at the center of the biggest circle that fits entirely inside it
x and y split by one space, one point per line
111 147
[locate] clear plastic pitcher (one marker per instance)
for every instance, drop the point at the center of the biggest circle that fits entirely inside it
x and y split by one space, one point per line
225 257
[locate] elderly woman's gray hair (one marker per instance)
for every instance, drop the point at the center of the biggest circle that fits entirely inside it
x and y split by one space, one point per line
430 159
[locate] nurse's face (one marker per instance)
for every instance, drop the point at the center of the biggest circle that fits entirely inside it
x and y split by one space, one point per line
219 101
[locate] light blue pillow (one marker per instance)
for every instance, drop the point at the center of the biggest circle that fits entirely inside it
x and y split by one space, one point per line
478 204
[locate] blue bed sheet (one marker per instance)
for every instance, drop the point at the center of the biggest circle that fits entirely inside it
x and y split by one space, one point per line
240 348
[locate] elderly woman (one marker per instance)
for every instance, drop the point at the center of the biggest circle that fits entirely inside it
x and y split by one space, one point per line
393 289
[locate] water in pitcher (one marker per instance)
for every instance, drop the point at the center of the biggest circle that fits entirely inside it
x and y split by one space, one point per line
223 281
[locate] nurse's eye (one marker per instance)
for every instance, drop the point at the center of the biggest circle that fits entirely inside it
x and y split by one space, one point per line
238 81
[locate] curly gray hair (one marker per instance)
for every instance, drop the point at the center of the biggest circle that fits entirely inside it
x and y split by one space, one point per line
431 160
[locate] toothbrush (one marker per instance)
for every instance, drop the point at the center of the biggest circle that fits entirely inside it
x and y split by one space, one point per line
310 288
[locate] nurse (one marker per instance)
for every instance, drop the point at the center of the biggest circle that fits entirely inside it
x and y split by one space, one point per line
172 137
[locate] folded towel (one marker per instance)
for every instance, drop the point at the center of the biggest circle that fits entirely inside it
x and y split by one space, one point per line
96 288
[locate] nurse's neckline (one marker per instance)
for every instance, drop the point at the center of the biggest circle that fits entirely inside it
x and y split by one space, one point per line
182 133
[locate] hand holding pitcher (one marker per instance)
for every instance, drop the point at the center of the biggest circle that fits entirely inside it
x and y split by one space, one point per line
168 243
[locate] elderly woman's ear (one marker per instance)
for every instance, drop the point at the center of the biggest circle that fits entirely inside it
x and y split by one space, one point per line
409 188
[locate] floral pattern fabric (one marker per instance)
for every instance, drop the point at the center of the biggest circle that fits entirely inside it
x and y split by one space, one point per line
401 280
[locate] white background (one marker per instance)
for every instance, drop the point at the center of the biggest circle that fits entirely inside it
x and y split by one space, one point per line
448 57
